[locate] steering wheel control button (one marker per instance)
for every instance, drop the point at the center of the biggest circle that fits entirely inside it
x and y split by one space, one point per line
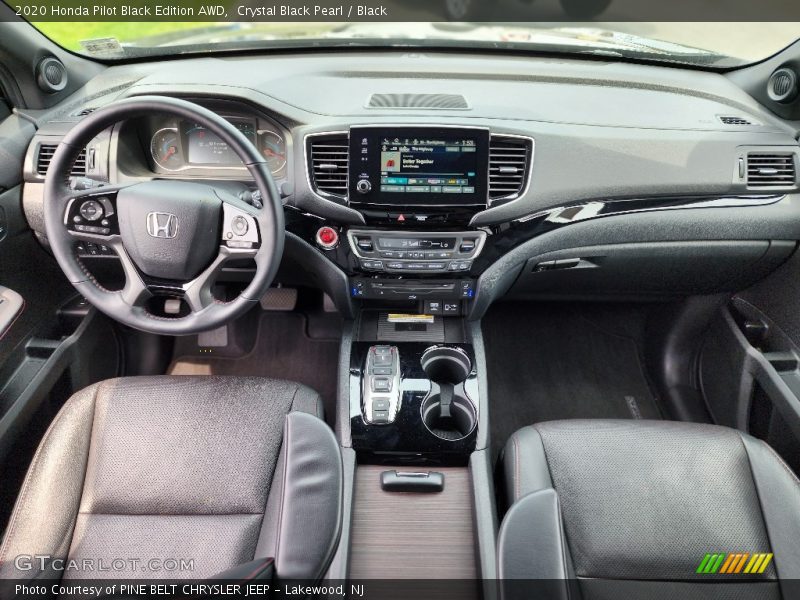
327 238
239 230
239 225
107 205
91 214
91 210
92 229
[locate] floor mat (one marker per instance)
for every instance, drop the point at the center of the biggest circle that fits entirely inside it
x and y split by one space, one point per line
283 350
550 362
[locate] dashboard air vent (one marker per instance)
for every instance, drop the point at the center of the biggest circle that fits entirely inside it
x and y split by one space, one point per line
85 111
328 156
509 163
770 169
732 120
46 152
425 101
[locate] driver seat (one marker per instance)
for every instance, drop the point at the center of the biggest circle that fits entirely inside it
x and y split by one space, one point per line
217 471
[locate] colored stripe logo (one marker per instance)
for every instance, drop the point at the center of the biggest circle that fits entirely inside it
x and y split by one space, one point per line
734 563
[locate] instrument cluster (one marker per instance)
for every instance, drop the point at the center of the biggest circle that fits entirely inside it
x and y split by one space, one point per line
181 146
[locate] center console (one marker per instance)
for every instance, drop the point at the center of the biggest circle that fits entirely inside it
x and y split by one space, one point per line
416 419
413 403
412 265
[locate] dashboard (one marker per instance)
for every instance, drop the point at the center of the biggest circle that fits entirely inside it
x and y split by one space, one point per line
486 175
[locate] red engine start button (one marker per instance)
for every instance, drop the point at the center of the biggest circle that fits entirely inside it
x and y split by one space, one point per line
327 237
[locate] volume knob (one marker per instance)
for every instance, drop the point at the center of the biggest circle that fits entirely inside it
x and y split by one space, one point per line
363 186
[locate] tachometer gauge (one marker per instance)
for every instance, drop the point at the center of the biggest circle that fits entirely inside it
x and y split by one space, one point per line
166 150
273 147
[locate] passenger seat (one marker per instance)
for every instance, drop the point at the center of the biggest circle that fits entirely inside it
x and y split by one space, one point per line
647 509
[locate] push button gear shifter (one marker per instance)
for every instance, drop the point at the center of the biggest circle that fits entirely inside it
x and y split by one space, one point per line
380 386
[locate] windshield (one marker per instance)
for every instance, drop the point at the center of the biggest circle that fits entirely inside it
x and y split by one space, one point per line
708 44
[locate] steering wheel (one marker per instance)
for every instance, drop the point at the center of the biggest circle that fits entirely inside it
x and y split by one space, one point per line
172 237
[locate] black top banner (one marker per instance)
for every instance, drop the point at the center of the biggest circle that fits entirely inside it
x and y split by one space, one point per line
341 11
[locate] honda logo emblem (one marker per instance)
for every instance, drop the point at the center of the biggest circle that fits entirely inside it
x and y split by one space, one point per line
162 225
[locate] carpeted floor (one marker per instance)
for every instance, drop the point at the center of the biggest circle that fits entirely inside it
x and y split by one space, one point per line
549 361
283 350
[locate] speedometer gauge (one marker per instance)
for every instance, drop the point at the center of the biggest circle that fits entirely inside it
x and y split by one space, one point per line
273 148
165 149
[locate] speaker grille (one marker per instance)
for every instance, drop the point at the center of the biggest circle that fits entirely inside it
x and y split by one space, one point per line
51 75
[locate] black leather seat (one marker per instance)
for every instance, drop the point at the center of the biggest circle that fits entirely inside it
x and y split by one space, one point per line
618 509
213 470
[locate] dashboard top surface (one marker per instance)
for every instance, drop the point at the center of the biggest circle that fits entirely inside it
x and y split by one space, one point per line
602 129
494 87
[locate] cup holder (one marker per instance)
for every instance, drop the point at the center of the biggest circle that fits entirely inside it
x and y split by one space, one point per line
446 365
447 412
458 425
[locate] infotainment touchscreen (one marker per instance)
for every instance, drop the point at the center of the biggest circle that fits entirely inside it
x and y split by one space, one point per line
419 166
